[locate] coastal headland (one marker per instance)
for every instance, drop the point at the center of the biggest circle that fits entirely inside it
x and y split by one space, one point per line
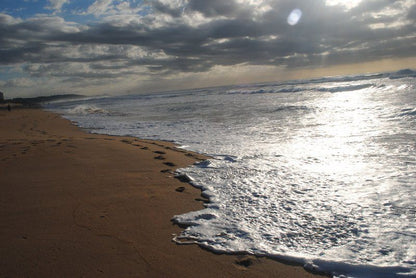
75 204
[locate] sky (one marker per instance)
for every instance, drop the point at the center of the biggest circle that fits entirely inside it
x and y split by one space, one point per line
113 47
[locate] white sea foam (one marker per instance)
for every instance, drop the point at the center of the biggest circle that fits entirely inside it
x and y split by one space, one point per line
84 109
321 172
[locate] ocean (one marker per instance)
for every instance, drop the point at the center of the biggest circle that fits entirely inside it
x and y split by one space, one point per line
321 172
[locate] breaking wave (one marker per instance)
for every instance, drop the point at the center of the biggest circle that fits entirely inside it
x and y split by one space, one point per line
320 172
86 109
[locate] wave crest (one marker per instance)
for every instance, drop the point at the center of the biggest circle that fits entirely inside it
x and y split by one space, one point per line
85 109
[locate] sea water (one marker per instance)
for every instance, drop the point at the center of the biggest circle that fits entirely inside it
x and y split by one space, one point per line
321 172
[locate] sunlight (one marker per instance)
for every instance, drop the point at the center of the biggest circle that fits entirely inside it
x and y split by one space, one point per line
348 4
337 144
294 17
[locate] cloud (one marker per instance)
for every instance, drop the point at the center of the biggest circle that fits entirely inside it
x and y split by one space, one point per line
214 8
56 5
411 13
167 39
100 7
172 8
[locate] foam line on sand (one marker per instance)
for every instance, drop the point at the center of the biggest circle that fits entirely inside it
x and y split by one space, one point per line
75 204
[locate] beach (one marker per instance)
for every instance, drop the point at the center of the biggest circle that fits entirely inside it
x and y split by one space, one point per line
75 204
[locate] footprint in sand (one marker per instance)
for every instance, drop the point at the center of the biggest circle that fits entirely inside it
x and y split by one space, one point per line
159 152
183 178
159 157
244 261
202 200
171 164
25 150
166 171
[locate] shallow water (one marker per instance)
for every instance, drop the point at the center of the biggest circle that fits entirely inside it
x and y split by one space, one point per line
318 171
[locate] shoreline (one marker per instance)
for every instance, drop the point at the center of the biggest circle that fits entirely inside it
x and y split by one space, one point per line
82 204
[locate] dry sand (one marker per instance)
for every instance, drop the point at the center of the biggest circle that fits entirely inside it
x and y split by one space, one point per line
75 204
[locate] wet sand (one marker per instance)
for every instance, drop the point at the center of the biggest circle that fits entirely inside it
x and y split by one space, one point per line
75 204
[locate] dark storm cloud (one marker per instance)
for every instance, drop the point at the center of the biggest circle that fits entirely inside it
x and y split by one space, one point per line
173 39
214 7
166 9
411 15
210 8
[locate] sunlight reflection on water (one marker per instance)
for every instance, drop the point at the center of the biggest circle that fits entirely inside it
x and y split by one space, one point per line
314 170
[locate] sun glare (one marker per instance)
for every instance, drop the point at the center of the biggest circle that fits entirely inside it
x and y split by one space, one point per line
294 17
